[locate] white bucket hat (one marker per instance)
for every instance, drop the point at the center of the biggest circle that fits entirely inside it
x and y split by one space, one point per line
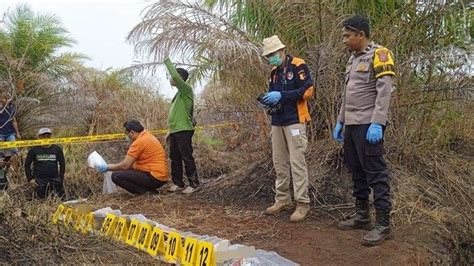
272 44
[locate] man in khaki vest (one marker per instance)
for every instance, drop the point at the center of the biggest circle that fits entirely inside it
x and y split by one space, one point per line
290 87
363 115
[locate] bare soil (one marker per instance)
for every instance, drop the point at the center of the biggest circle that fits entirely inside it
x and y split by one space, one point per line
316 241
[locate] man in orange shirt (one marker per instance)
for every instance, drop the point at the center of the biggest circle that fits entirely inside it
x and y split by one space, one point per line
145 167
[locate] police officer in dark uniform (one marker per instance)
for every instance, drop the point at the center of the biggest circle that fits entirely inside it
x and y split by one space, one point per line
363 116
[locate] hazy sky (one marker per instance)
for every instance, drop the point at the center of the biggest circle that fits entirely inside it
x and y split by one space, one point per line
99 27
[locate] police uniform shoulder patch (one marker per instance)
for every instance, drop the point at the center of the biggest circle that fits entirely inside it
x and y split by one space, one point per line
302 75
297 61
383 55
383 62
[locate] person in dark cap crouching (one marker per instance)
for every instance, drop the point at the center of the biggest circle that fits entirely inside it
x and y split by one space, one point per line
45 167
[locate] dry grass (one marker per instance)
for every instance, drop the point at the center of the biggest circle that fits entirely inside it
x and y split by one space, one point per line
28 237
429 141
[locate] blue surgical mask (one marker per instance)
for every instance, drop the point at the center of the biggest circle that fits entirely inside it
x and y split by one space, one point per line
275 60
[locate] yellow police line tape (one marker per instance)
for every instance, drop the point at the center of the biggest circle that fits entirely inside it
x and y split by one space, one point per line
168 246
84 139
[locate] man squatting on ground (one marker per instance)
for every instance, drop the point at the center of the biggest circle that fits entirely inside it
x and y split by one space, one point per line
145 167
48 168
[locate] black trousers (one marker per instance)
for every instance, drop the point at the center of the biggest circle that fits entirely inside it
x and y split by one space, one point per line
181 150
366 163
49 186
136 182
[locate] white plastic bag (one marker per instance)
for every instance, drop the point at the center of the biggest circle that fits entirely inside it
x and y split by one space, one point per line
95 160
109 185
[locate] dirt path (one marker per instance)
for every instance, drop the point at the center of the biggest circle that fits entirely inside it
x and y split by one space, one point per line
314 242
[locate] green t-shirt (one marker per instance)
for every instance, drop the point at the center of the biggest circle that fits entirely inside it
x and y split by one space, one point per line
180 117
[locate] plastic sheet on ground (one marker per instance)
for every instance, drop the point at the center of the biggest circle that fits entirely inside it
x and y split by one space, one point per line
104 211
226 254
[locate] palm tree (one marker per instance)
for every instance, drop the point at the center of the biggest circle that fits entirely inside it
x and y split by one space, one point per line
205 39
31 64
33 41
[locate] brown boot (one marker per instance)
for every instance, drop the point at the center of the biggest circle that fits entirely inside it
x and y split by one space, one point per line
278 207
381 231
361 219
300 213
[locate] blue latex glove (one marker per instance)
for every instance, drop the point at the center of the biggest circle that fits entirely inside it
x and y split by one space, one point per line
272 98
102 168
374 133
337 132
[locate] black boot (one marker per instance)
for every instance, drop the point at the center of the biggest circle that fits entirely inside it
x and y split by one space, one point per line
361 219
381 231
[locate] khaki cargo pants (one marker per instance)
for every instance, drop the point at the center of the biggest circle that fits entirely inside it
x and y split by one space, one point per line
289 145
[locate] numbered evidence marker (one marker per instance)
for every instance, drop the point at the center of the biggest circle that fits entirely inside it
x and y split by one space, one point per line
188 254
80 221
89 223
59 211
108 226
121 230
156 243
81 214
132 234
205 254
144 236
173 247
69 216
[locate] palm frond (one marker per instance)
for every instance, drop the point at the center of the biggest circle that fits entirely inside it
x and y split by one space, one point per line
192 31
